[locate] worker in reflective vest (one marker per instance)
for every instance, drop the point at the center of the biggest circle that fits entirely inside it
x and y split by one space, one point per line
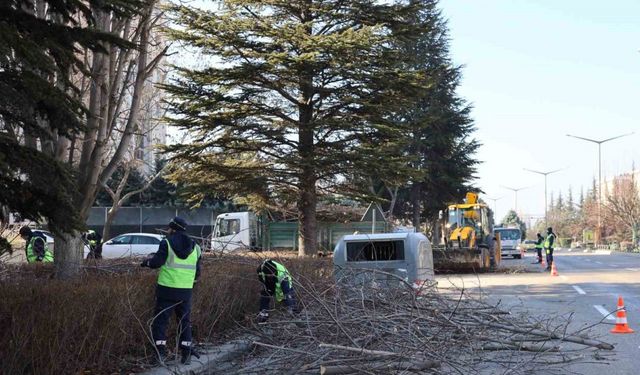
539 246
95 244
548 246
277 283
178 258
36 247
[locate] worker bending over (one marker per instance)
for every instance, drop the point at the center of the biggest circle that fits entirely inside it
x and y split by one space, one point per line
277 283
36 247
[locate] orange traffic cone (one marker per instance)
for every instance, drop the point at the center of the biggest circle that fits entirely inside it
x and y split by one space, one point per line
621 319
554 271
543 264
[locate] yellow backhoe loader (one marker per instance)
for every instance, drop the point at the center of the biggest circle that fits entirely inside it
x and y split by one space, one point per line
468 241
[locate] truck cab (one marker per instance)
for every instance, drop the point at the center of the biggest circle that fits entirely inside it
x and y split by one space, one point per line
509 241
234 231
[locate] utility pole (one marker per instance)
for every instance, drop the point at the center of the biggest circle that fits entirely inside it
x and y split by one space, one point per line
545 174
515 190
599 143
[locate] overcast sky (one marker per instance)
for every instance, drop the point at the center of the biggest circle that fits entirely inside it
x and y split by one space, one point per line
536 70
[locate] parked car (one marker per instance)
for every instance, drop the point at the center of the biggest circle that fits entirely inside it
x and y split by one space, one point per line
131 244
528 245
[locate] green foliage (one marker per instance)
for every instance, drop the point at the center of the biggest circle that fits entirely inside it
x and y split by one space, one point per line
512 219
436 152
300 96
40 44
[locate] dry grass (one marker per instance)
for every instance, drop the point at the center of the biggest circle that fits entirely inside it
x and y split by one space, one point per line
99 324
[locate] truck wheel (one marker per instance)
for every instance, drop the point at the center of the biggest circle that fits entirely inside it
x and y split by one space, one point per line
517 257
485 258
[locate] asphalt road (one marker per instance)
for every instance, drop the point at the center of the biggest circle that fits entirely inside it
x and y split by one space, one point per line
585 293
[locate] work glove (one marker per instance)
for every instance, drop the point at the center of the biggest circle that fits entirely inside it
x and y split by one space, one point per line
145 263
39 259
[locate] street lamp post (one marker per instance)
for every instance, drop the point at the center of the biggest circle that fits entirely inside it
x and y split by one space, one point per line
494 203
545 174
515 190
599 143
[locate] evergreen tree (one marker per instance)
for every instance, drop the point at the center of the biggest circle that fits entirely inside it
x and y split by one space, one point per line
297 88
512 219
435 159
39 45
560 203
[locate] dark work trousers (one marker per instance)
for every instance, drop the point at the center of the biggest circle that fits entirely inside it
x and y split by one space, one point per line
169 300
549 257
539 254
266 295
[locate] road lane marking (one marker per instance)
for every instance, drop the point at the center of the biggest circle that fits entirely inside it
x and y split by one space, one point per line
578 289
595 261
633 269
604 312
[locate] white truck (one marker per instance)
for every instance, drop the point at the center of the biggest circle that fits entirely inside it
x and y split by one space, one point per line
236 230
509 241
248 230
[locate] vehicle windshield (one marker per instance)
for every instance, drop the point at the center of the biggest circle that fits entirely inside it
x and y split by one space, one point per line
454 218
467 217
510 235
227 227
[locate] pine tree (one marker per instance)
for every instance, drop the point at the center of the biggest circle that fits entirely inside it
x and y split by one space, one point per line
298 90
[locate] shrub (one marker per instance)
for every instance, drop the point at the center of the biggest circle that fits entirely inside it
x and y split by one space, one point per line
100 322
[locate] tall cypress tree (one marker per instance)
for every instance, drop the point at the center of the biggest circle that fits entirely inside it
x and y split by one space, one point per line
293 90
436 128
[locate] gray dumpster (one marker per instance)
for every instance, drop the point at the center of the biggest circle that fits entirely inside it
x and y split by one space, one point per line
405 256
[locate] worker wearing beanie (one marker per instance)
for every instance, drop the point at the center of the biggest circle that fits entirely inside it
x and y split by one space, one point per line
178 258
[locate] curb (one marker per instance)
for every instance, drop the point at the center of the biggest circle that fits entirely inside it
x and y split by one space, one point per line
626 253
207 360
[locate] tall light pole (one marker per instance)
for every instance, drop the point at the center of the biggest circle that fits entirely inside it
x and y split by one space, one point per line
515 190
494 203
599 143
545 174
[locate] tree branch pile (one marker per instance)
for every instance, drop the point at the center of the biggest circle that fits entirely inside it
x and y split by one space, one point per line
370 329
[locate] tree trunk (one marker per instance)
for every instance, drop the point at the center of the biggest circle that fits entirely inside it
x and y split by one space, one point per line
416 207
307 196
394 199
308 240
68 255
111 214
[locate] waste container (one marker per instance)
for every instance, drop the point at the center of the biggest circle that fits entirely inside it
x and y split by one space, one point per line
384 258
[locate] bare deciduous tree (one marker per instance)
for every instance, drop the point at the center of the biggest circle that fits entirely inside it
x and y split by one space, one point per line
623 203
114 90
117 196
